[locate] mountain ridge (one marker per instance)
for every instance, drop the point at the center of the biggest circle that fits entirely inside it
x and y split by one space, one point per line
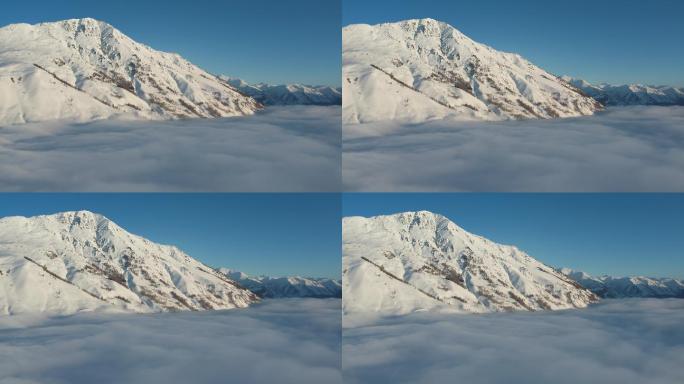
286 286
613 287
85 69
424 69
81 261
630 94
413 261
288 94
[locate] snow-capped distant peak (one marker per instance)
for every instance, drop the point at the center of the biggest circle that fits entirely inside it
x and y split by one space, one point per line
235 275
420 260
81 261
288 94
288 286
630 94
417 70
630 286
85 69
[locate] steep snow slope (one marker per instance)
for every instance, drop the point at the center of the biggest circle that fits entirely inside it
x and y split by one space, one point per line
413 261
84 69
80 261
292 286
623 287
418 70
630 94
288 94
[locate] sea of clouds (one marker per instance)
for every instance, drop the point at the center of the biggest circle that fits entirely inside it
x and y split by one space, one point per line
630 341
284 341
282 149
621 149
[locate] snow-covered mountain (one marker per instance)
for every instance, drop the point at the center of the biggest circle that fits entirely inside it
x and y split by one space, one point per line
621 287
292 286
413 261
417 70
630 94
84 69
81 261
288 94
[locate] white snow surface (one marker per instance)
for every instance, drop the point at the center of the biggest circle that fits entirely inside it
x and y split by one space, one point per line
79 261
418 70
628 286
288 286
630 94
288 94
413 261
85 69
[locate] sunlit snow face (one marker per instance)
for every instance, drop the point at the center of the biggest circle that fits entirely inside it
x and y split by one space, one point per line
417 70
616 342
623 149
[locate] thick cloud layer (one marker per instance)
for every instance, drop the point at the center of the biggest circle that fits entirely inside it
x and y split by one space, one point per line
631 341
622 149
284 341
282 149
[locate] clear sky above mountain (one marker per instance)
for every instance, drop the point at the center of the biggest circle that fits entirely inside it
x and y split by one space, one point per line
295 41
286 234
615 234
614 41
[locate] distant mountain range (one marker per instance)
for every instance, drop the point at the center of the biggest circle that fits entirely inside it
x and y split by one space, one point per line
288 94
418 70
630 94
623 287
412 261
81 261
292 286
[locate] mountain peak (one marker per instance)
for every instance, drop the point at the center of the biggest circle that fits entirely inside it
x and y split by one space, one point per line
429 20
427 25
89 21
424 21
423 69
629 286
79 213
288 286
79 260
420 260
85 69
422 213
82 217
630 94
419 219
86 26
67 217
287 94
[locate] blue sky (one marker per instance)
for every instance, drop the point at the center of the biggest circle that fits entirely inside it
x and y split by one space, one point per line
618 234
272 41
276 234
616 41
